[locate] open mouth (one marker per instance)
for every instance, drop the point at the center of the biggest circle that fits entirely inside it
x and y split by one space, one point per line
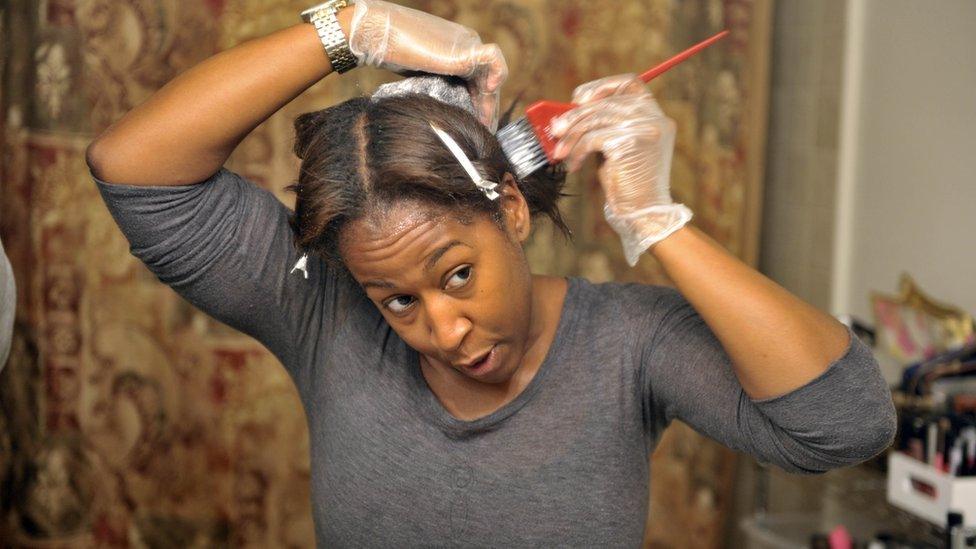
485 364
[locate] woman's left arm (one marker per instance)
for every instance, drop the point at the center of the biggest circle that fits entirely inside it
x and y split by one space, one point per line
777 341
730 352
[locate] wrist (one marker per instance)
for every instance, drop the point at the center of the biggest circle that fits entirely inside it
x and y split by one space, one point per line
345 19
325 18
673 240
639 231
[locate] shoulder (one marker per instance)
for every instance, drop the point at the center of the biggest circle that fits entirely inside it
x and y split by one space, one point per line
627 296
225 188
633 301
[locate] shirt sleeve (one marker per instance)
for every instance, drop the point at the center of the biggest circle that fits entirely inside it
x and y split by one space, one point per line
225 245
843 417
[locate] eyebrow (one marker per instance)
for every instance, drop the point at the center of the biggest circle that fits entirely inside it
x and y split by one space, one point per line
377 284
428 265
435 256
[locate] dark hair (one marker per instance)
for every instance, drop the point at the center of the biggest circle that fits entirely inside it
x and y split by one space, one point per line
367 155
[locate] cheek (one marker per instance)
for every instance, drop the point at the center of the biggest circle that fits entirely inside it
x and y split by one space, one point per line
412 334
505 297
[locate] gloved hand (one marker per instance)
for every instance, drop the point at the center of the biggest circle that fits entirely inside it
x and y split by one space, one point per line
619 118
401 39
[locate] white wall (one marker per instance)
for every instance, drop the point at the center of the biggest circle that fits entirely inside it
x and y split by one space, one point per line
802 147
907 175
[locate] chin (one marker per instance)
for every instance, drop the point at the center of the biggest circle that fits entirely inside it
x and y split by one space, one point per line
492 381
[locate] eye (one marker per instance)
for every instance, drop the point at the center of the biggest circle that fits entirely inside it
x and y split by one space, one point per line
464 275
398 304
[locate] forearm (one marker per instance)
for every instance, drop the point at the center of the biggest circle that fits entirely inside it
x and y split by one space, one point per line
186 130
777 342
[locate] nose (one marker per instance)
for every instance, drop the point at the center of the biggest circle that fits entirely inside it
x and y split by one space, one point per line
448 323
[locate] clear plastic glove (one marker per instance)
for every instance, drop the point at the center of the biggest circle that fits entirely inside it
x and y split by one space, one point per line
401 39
619 118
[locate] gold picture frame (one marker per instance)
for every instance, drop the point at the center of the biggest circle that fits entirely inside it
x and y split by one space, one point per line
911 326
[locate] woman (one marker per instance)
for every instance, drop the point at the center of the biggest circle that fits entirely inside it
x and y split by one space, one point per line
410 271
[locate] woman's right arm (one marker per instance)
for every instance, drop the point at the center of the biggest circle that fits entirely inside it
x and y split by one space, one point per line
217 239
186 130
184 133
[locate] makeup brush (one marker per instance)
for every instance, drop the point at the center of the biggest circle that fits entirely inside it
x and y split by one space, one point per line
528 143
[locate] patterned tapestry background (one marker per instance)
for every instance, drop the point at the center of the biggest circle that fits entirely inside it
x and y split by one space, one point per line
129 419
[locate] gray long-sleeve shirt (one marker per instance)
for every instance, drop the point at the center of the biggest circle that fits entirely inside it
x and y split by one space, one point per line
564 464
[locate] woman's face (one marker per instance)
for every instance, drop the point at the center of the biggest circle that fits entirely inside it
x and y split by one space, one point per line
452 289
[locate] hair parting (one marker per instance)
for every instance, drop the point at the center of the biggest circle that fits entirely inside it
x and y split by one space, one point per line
366 156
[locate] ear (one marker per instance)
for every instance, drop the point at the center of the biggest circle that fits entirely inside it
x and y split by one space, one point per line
514 208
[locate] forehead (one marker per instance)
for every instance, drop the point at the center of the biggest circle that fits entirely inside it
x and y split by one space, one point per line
401 239
384 224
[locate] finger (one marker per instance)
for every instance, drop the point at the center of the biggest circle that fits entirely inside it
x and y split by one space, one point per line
642 103
588 143
495 67
621 144
620 84
491 73
486 107
622 111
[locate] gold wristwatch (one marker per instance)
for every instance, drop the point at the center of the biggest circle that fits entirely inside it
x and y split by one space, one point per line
323 17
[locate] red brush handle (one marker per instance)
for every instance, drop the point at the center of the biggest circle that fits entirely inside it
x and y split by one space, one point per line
655 71
541 113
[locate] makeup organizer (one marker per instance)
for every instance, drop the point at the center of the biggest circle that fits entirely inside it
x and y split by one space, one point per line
932 466
930 493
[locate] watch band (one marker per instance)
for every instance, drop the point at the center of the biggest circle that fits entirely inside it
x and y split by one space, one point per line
323 18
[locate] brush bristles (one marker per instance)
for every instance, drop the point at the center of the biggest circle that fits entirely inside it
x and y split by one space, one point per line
522 148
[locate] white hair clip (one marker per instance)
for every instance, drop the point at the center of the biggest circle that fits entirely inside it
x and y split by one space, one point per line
301 265
487 187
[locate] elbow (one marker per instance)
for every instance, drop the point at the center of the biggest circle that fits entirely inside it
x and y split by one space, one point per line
878 434
92 158
875 434
104 158
874 424
872 430
858 439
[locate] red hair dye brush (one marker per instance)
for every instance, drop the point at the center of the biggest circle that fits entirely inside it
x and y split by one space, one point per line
528 143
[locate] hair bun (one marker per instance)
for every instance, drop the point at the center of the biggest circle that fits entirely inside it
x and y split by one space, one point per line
452 90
